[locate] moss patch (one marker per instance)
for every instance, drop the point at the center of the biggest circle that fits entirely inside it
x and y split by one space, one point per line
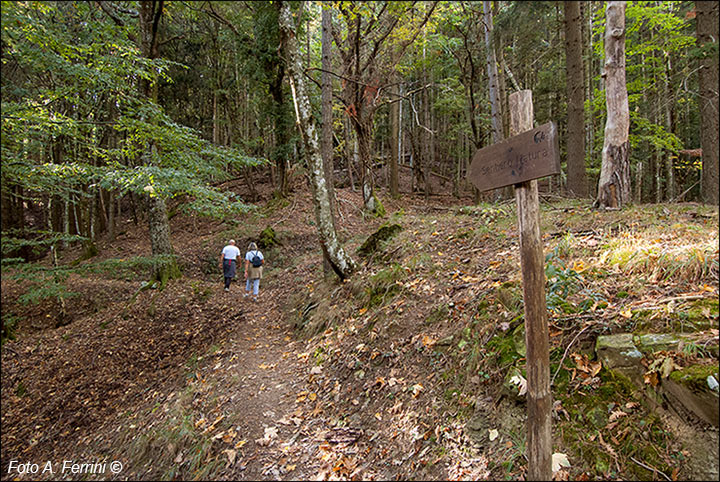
267 238
372 243
695 376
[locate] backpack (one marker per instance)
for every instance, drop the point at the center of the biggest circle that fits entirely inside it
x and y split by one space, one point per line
256 260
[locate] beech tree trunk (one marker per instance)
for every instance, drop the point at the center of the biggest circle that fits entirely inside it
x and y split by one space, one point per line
166 267
576 175
707 38
327 118
614 184
342 264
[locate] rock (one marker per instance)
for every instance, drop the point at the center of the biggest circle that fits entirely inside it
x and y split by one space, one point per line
712 383
371 244
477 428
653 342
689 387
618 351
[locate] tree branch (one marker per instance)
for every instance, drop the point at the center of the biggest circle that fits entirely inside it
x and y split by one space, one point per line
118 21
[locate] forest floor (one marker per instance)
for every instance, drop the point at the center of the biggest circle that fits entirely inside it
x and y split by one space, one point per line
396 373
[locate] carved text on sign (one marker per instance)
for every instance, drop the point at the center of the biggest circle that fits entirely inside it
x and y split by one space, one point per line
529 155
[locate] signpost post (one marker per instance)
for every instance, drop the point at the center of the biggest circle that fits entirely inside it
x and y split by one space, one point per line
529 154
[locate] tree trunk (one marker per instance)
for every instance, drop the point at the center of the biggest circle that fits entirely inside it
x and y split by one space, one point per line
587 8
111 216
614 184
576 175
707 38
491 63
364 140
281 151
394 143
342 264
495 113
166 266
327 118
669 126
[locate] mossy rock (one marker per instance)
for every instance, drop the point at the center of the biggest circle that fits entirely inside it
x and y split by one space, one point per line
372 243
694 389
694 377
267 238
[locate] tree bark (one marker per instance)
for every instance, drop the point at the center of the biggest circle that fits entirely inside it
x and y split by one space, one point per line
342 264
495 113
327 117
576 175
166 267
614 184
492 71
707 38
394 143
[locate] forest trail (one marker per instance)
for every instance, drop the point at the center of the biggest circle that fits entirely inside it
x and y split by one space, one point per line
264 379
389 375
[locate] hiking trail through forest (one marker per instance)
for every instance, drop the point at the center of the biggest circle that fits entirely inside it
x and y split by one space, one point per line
396 373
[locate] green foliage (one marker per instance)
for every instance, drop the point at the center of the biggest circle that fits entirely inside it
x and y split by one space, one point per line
9 324
38 241
71 88
562 281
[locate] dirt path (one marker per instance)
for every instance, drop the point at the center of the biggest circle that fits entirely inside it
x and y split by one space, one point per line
269 394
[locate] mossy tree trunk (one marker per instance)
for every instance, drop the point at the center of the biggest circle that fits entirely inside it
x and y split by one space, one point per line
342 264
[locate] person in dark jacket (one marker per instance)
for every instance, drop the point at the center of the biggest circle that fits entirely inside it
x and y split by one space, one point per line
228 260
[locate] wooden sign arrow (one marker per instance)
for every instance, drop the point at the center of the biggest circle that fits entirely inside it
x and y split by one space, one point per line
529 155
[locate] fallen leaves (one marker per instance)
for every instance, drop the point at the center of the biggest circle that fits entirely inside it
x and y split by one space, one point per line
616 414
416 389
559 460
214 424
660 368
269 437
585 366
521 383
306 395
231 454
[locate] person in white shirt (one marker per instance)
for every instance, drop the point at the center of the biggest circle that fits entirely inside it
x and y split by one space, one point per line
253 270
228 260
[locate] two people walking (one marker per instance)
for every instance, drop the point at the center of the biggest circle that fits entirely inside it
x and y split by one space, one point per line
254 261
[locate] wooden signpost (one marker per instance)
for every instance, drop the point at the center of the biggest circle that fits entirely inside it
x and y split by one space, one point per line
520 160
529 155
